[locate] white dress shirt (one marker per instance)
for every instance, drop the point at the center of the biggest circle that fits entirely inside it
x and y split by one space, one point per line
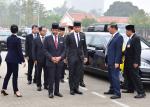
76 38
42 38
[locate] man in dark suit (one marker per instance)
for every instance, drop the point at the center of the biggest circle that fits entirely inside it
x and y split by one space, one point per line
76 56
62 34
28 53
55 54
113 61
40 58
70 29
132 63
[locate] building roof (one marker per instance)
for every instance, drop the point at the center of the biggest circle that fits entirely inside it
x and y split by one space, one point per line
70 17
109 19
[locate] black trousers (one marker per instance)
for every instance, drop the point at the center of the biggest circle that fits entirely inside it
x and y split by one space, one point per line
82 77
75 73
133 79
113 75
41 66
54 76
12 68
63 71
0 59
30 69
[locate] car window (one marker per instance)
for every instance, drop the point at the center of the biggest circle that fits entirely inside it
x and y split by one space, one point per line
100 40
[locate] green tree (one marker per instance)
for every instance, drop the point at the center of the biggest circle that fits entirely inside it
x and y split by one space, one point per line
140 18
49 19
122 9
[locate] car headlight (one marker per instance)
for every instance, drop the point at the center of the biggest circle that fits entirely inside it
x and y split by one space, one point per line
145 65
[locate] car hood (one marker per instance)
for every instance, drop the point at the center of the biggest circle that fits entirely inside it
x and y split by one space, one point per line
145 54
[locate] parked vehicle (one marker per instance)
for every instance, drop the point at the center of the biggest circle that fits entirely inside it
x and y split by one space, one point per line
97 43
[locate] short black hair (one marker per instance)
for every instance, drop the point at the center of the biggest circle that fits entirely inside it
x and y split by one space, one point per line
130 28
34 26
113 25
41 28
70 27
14 28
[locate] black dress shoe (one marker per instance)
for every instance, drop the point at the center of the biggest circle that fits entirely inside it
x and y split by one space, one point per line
29 82
115 97
140 96
4 93
34 81
51 95
108 93
72 92
78 92
62 81
58 94
39 89
46 87
127 91
82 84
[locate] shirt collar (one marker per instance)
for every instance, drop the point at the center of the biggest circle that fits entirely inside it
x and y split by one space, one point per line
15 34
42 36
76 33
131 36
115 34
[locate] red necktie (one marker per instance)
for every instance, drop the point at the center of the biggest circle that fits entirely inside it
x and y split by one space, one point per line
56 42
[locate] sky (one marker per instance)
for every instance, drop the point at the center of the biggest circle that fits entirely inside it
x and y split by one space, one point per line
50 4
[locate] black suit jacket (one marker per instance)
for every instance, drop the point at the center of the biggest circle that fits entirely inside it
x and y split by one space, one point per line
38 50
72 50
51 51
28 46
14 54
133 51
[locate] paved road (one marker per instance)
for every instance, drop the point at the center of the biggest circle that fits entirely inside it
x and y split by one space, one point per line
93 94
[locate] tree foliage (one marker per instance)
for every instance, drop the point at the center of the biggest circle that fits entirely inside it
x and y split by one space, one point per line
122 9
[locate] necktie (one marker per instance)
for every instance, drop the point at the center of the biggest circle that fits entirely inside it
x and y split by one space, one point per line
78 40
108 45
56 42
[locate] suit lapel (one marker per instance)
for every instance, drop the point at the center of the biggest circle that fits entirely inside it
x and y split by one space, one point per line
58 42
39 39
74 39
31 36
113 39
52 40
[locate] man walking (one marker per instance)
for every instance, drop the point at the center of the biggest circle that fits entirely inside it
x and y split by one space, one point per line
55 54
132 63
113 61
76 56
28 53
40 58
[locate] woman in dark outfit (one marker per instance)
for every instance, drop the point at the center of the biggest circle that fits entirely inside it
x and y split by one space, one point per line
0 57
13 59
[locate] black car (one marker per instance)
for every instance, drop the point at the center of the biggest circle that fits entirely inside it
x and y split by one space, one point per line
97 42
4 34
